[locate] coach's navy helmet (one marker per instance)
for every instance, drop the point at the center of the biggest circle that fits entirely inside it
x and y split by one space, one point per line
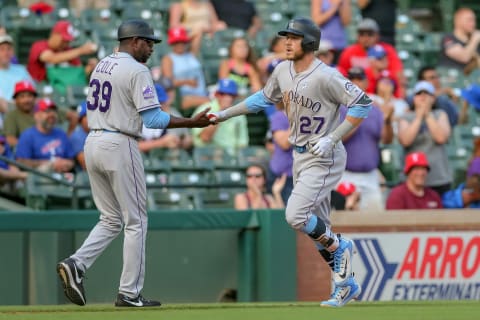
136 28
307 29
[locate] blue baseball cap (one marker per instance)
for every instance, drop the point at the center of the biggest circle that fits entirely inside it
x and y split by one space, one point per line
82 110
227 86
472 95
424 86
377 52
161 93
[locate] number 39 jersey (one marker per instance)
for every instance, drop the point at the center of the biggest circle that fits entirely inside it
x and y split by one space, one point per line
312 99
120 88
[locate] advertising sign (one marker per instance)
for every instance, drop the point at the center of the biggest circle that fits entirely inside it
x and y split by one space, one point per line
418 266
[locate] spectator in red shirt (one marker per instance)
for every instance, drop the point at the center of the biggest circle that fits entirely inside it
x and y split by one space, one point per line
56 49
413 194
356 55
379 69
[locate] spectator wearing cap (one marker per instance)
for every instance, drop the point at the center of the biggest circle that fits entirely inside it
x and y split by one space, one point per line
332 16
384 13
356 54
9 174
461 48
21 118
45 146
427 129
197 17
414 193
165 138
379 69
362 170
228 135
384 97
56 50
350 194
184 70
445 97
79 135
10 73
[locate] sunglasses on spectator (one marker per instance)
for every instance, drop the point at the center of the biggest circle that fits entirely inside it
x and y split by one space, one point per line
256 175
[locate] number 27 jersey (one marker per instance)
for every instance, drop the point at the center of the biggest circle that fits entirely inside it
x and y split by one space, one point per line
312 99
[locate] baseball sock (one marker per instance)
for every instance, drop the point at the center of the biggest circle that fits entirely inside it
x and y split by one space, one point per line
316 229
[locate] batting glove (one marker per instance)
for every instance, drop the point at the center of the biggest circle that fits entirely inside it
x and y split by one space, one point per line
324 147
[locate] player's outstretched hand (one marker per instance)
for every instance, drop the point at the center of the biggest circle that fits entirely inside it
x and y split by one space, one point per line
324 147
201 119
215 117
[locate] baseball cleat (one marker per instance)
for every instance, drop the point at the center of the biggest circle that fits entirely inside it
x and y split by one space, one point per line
72 281
343 294
342 261
139 301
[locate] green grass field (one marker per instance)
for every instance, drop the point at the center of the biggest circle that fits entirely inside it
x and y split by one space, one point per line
438 310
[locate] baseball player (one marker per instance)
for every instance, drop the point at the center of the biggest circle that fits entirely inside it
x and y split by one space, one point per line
121 96
312 93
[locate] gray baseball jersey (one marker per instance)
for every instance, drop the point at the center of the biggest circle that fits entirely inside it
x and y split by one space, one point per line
312 99
120 88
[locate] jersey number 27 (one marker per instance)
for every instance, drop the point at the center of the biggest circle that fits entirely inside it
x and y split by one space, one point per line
101 94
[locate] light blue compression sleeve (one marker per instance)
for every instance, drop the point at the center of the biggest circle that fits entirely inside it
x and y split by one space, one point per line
257 102
155 118
357 111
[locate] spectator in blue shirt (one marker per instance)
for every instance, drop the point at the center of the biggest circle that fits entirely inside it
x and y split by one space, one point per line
466 195
8 172
44 146
79 135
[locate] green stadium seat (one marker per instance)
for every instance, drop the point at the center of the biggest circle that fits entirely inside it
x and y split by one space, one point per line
213 157
164 199
214 199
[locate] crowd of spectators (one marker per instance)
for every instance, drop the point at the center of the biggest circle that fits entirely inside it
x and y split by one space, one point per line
419 119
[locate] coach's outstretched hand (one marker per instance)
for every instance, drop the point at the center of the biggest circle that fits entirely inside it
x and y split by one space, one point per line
201 119
324 147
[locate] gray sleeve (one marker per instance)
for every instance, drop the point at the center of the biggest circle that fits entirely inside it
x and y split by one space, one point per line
143 91
343 90
272 89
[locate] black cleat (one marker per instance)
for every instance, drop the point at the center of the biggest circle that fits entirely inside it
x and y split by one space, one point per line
72 281
124 301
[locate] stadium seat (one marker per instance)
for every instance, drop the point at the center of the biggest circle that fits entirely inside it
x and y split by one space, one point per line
229 178
214 199
162 199
253 154
212 157
42 193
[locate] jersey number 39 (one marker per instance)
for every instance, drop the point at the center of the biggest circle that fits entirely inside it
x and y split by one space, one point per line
101 94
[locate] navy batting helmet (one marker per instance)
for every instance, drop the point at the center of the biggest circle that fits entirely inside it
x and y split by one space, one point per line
136 28
307 29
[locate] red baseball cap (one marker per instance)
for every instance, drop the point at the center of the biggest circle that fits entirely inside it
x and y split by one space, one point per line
65 29
178 34
22 86
45 104
415 159
346 188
